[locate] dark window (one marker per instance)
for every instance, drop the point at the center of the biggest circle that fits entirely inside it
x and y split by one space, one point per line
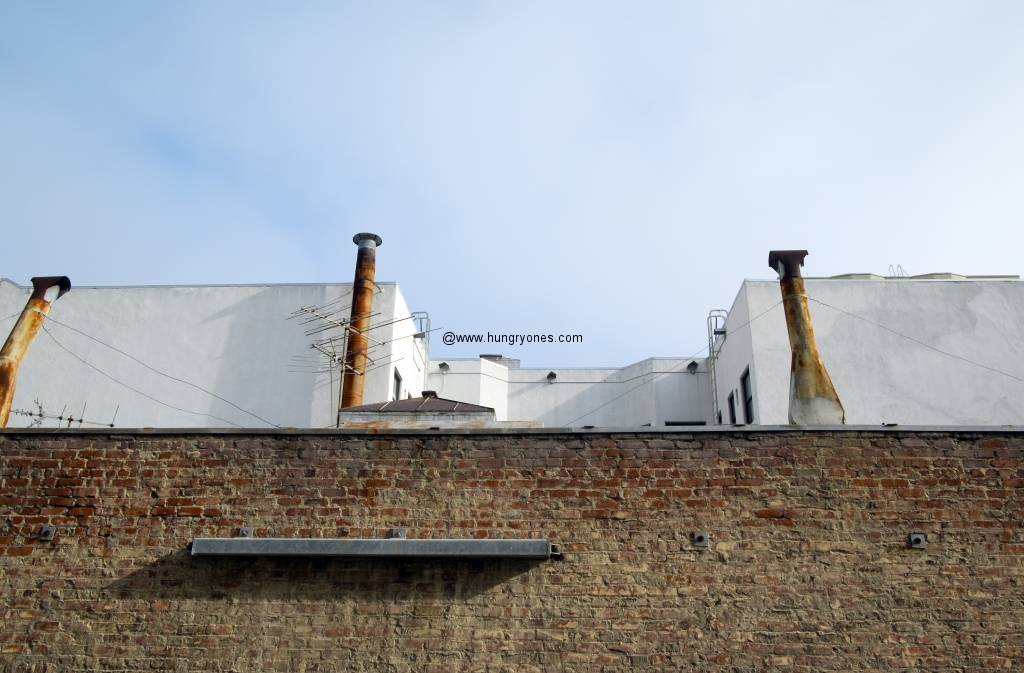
748 397
398 386
732 408
667 423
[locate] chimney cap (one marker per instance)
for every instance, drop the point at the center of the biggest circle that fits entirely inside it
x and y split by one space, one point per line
40 284
787 262
359 238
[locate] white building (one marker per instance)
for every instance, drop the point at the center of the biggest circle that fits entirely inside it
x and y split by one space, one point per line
898 350
933 350
655 392
238 342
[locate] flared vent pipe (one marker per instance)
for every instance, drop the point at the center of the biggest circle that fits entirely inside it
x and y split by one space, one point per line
812 397
45 291
359 322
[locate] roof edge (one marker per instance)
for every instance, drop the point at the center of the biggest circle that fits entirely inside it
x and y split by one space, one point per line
644 430
171 287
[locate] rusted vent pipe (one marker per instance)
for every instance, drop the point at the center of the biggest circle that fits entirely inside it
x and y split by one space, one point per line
359 322
812 397
45 291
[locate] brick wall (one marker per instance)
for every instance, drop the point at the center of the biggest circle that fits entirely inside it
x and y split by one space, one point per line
808 568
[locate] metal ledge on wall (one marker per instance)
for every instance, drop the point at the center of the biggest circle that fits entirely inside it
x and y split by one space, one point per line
370 547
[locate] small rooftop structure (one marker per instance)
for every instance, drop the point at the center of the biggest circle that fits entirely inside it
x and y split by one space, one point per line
428 411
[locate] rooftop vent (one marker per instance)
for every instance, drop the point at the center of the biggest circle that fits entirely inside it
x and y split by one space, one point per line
359 320
812 397
498 359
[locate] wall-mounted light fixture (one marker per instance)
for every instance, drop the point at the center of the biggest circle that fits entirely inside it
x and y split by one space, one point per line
444 367
551 377
692 367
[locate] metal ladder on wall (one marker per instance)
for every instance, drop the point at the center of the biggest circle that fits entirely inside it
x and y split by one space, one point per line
716 329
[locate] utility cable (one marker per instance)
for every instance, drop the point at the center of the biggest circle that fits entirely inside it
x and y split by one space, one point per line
195 413
156 371
972 362
640 385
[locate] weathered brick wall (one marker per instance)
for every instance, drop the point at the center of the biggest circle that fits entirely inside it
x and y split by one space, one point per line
809 567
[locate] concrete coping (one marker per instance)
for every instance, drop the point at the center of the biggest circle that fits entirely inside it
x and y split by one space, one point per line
643 430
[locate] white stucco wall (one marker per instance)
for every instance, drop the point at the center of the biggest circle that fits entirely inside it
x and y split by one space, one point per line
476 381
234 341
884 378
400 350
652 391
736 355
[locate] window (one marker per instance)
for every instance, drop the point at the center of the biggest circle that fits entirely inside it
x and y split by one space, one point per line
397 395
732 408
748 397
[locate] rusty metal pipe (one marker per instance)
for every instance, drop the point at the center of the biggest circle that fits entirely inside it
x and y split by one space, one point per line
359 321
812 397
45 291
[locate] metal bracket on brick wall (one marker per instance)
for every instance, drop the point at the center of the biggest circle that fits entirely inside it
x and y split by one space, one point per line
46 533
918 541
370 547
701 539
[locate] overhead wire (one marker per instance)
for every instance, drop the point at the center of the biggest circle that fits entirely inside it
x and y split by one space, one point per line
910 338
103 373
156 371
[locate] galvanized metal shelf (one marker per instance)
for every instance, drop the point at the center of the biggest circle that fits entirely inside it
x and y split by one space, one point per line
370 547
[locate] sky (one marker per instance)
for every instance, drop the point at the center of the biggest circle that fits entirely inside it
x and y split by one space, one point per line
613 170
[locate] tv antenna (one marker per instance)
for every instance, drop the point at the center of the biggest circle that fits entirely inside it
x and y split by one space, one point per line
325 319
40 415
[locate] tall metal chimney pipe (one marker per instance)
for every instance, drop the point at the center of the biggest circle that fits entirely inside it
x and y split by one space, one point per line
359 321
45 291
812 397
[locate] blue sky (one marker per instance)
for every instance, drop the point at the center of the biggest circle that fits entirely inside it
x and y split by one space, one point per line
607 169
